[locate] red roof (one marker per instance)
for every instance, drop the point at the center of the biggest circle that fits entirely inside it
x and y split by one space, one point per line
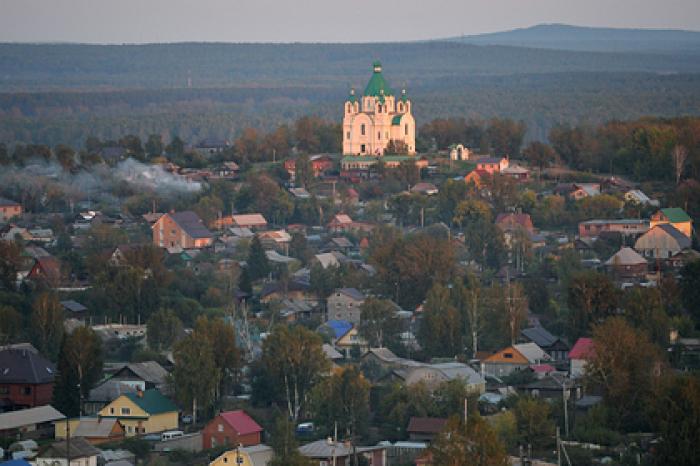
241 422
583 349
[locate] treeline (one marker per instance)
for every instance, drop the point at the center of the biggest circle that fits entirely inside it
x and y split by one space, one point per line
542 101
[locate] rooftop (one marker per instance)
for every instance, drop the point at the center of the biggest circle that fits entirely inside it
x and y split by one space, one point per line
191 223
152 401
241 422
18 366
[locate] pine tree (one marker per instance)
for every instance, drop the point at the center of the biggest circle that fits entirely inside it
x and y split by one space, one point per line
258 264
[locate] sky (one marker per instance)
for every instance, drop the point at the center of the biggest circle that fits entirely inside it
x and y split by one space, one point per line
142 21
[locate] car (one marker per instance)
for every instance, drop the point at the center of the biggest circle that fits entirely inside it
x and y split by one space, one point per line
186 419
305 428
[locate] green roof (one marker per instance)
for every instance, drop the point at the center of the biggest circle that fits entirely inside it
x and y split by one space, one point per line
377 85
675 215
353 97
359 158
396 120
152 401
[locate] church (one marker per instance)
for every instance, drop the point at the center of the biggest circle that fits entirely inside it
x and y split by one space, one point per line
378 122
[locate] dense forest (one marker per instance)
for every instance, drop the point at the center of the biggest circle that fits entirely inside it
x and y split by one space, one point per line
66 93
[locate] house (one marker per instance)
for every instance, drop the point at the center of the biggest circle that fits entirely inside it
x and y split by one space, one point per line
327 452
344 304
676 217
277 239
432 375
428 189
516 172
251 221
340 222
143 412
300 193
256 455
627 264
512 358
553 387
93 429
9 209
26 379
351 340
510 222
231 428
662 241
625 227
294 290
181 229
78 451
425 428
555 347
108 332
635 196
577 191
459 152
579 355
143 375
46 270
74 309
29 423
320 163
492 165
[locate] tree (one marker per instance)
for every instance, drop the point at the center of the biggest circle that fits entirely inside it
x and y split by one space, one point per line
258 264
399 404
469 303
195 376
65 156
462 444
690 288
515 309
79 369
47 324
378 322
10 261
591 297
342 398
539 154
245 283
303 171
163 329
628 368
10 324
440 333
678 421
284 444
679 154
222 339
294 361
154 146
535 425
471 210
644 308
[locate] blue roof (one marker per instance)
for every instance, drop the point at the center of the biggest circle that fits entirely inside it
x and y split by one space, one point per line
15 463
339 327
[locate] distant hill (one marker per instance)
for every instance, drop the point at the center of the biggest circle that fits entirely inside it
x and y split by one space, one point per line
593 39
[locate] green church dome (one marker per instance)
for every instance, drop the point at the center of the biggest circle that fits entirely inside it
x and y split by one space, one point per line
377 85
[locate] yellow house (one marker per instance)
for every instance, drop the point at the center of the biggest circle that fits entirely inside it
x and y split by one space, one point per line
256 455
350 340
677 217
143 412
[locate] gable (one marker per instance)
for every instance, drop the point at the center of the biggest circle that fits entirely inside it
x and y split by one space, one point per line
114 409
508 355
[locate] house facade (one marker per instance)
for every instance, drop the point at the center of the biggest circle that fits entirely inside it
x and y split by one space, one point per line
143 412
181 229
9 209
625 227
344 304
231 428
662 241
675 216
26 379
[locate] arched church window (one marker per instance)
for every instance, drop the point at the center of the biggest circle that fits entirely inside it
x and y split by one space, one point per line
379 134
379 108
405 129
400 107
362 129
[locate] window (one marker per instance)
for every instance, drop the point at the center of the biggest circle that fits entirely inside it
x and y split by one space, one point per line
400 107
221 427
379 134
405 129
126 411
362 148
111 410
508 355
130 429
362 131
347 135
27 390
4 390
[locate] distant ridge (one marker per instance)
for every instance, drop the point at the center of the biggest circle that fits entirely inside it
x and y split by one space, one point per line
592 39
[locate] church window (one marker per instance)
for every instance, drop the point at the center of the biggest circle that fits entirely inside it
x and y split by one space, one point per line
379 134
379 108
405 129
362 148
347 135
400 107
362 129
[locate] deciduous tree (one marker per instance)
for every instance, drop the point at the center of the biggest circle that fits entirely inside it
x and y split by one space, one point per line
163 329
47 324
195 376
79 369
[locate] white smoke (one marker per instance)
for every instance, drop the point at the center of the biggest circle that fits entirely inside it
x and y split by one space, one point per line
153 177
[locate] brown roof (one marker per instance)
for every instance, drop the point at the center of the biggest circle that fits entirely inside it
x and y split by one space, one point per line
426 425
510 220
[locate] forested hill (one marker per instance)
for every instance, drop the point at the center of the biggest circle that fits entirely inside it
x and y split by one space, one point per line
30 67
580 38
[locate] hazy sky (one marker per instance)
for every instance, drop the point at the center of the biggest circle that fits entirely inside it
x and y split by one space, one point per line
119 21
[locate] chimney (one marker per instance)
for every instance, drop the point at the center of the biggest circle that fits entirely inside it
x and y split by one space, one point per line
139 392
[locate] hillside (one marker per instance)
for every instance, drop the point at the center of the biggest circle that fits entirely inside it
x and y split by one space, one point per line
579 38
